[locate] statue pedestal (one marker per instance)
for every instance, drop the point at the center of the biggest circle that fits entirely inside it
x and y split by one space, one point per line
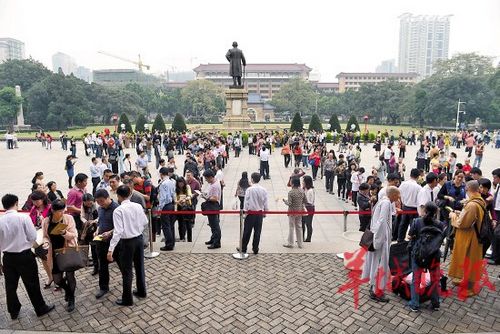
236 110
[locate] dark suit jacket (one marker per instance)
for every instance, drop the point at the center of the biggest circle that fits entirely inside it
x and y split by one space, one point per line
236 58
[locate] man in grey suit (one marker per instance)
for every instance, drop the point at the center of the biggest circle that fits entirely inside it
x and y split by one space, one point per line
235 58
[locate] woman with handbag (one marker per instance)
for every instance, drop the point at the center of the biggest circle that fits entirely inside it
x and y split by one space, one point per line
55 240
183 202
38 212
243 185
88 216
295 202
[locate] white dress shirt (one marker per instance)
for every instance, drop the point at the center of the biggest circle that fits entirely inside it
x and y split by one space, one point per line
17 232
426 194
496 194
409 193
255 199
129 220
95 171
264 155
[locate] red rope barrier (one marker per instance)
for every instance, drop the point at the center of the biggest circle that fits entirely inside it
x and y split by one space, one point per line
234 212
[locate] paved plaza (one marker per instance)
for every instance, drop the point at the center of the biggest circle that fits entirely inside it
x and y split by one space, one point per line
193 290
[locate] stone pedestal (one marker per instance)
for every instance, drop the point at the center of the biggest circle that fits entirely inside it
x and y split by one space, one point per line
20 116
236 109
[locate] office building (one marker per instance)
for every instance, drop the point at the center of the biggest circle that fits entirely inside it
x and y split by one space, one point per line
422 41
63 62
262 79
326 87
11 48
387 66
353 81
121 77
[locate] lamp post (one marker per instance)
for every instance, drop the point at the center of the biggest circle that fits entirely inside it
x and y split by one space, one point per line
458 114
115 121
366 123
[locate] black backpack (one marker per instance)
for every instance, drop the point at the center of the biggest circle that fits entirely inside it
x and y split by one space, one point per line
154 197
486 233
426 249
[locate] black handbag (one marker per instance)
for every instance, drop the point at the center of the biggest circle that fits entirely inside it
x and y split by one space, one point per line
366 241
209 206
72 258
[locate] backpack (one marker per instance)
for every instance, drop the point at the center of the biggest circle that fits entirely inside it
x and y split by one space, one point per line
486 233
426 249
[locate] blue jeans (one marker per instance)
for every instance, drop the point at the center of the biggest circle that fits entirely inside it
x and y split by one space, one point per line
435 274
477 161
304 161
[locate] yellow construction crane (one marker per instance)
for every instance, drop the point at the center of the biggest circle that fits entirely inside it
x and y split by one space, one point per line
139 63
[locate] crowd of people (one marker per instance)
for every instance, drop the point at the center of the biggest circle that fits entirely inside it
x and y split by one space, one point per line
109 214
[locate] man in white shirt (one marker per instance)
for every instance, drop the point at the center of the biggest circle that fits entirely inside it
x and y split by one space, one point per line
255 200
387 154
95 174
17 234
426 194
409 198
129 221
264 162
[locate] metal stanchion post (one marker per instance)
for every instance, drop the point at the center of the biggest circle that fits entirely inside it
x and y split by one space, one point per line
240 255
345 220
151 254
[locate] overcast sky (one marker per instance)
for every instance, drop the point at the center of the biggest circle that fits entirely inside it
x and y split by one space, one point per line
329 36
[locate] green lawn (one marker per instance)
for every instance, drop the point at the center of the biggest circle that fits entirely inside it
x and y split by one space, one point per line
99 128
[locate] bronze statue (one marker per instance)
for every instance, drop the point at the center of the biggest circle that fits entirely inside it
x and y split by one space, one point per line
236 58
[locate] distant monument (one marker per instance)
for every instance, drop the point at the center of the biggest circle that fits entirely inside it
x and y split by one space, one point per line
236 58
20 115
236 96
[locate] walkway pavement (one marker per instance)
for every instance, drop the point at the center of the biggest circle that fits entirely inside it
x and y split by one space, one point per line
268 293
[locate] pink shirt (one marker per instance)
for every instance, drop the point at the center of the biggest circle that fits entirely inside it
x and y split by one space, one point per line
469 141
75 197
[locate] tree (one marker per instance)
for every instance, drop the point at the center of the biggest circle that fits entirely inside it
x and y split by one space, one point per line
159 124
179 124
295 96
334 123
464 64
140 123
202 98
297 124
24 73
352 121
315 123
124 120
9 105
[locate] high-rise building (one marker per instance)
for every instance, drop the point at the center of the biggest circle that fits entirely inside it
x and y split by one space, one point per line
11 48
387 66
422 41
83 73
64 62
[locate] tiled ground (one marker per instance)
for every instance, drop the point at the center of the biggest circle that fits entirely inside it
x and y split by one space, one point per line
268 293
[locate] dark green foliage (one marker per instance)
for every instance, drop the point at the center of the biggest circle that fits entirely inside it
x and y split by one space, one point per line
124 120
140 123
334 123
315 123
159 124
179 124
297 124
244 139
352 120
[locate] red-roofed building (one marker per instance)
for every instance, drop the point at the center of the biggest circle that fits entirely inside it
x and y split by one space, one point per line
263 79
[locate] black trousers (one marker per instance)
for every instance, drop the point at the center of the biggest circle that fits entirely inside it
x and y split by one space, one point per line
405 222
287 159
185 227
168 226
214 223
307 228
22 265
10 144
252 222
102 253
132 255
264 169
329 176
95 182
